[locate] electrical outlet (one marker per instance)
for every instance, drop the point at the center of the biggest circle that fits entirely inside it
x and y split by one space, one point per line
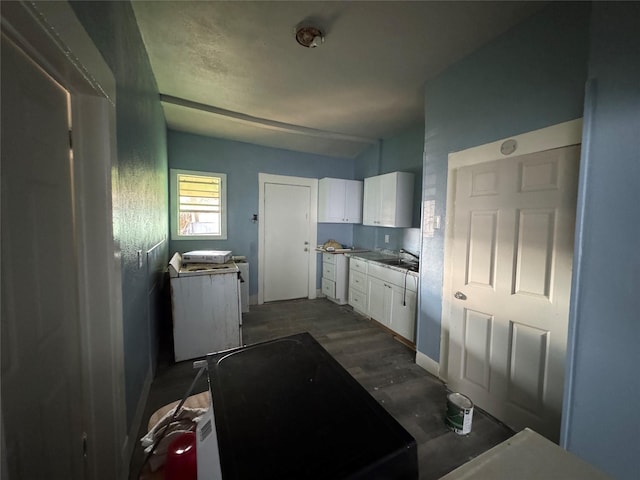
139 259
386 239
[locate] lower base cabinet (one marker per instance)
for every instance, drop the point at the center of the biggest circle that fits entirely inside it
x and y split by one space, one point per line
387 296
392 306
403 312
335 272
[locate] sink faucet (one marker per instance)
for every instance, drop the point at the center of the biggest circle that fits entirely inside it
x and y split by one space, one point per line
402 250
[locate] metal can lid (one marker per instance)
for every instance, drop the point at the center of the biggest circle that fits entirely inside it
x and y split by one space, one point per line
459 400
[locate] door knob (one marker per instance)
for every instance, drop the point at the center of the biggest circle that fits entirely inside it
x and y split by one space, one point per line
460 296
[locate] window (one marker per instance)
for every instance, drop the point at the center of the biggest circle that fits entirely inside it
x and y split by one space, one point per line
198 205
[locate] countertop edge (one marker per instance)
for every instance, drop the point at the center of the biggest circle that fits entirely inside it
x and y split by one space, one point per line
380 256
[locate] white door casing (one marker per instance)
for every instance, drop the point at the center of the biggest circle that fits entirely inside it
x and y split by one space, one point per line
41 369
52 36
287 236
509 252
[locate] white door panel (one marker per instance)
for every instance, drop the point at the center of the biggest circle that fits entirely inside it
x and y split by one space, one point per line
287 241
512 252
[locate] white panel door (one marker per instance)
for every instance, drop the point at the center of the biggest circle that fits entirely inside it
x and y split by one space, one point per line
512 257
41 377
286 241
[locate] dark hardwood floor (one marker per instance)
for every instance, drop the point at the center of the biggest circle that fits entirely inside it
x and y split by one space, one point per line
383 365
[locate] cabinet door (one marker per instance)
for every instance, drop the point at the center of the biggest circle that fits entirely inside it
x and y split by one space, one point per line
331 195
353 202
387 200
379 300
403 312
371 201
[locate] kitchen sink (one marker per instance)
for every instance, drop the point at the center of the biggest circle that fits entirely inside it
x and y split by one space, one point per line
397 262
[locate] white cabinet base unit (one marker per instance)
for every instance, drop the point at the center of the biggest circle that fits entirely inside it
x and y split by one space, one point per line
392 299
339 200
388 200
206 310
386 295
335 272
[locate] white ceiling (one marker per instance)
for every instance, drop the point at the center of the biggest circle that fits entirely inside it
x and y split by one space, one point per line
233 69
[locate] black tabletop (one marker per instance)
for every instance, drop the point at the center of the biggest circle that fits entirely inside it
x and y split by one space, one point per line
286 409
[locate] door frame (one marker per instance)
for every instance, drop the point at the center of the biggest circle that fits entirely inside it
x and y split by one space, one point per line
555 136
51 34
312 183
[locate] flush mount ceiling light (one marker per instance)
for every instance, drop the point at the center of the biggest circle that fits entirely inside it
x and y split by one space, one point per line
308 36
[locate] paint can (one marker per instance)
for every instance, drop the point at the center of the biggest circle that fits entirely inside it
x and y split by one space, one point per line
459 413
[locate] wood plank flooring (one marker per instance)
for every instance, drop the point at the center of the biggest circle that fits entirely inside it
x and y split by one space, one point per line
384 366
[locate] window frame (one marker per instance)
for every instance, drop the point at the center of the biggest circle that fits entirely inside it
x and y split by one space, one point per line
174 205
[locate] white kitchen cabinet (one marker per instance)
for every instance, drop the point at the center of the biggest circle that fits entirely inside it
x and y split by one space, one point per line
402 318
339 200
206 314
388 200
386 295
393 306
335 275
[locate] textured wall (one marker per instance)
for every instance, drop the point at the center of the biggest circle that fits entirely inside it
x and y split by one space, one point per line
141 198
602 418
529 78
402 152
242 162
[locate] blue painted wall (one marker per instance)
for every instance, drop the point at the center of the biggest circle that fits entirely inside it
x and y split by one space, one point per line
602 418
140 189
402 152
242 162
529 78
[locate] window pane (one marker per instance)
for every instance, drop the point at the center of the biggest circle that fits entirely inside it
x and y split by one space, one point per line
199 205
193 223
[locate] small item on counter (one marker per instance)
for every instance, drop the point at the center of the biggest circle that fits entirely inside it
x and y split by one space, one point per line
331 245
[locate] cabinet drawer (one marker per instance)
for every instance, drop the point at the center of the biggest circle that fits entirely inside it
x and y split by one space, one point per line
358 281
358 265
358 300
328 258
329 271
329 288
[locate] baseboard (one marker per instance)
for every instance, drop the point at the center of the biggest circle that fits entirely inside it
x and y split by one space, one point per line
132 436
428 364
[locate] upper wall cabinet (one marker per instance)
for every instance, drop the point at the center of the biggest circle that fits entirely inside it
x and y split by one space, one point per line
388 200
339 201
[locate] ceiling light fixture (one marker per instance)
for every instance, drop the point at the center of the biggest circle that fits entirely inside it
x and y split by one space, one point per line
308 36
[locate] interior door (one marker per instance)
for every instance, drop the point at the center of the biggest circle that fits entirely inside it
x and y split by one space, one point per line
287 242
41 376
512 256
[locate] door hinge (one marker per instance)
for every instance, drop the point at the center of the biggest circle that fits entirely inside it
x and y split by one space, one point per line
70 139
